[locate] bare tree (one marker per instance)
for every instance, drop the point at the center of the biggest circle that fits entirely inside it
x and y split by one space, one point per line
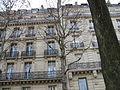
8 15
108 44
68 27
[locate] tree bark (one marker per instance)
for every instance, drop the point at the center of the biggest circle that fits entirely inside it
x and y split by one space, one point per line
108 43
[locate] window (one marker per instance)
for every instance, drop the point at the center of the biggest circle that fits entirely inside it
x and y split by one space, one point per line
74 25
13 50
83 84
91 25
118 22
51 68
9 70
26 88
29 49
51 47
27 70
6 88
16 33
34 10
33 18
50 18
94 42
77 44
1 48
52 87
30 32
1 33
50 30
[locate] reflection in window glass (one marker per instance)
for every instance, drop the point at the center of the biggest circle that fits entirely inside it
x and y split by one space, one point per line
83 84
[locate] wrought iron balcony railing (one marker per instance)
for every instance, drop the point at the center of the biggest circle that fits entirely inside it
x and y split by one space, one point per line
52 52
50 34
30 75
86 65
14 36
11 54
30 35
28 53
77 45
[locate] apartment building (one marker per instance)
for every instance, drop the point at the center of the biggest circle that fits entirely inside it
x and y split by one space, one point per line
32 54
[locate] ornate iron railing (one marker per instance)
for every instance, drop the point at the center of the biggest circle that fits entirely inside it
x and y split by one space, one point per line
11 54
86 65
30 75
28 53
51 52
30 35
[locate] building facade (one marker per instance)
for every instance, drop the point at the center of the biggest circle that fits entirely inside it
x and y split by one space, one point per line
31 60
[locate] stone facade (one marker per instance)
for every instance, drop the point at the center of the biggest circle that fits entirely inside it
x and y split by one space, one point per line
38 69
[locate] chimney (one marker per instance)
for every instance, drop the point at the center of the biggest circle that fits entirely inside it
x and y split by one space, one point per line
59 3
76 3
42 7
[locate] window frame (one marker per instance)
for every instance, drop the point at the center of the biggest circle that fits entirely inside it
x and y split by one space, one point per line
85 82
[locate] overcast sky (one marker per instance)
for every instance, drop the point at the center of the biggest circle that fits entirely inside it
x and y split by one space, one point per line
38 3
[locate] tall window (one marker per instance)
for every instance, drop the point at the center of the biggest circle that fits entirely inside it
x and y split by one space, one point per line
118 22
91 25
51 47
13 50
6 88
1 48
50 30
29 49
73 25
1 33
83 84
31 31
27 69
16 33
9 70
52 87
94 42
26 88
51 68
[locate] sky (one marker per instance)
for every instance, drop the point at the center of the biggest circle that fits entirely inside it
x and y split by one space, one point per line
52 3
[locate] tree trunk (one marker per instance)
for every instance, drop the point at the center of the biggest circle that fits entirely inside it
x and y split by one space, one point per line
108 44
63 67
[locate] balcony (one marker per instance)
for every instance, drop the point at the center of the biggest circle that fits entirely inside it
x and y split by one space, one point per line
51 53
11 55
85 66
30 35
28 54
30 76
77 45
50 35
13 37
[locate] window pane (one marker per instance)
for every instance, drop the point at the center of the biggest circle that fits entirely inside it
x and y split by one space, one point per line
83 84
91 26
51 69
28 70
26 88
51 87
